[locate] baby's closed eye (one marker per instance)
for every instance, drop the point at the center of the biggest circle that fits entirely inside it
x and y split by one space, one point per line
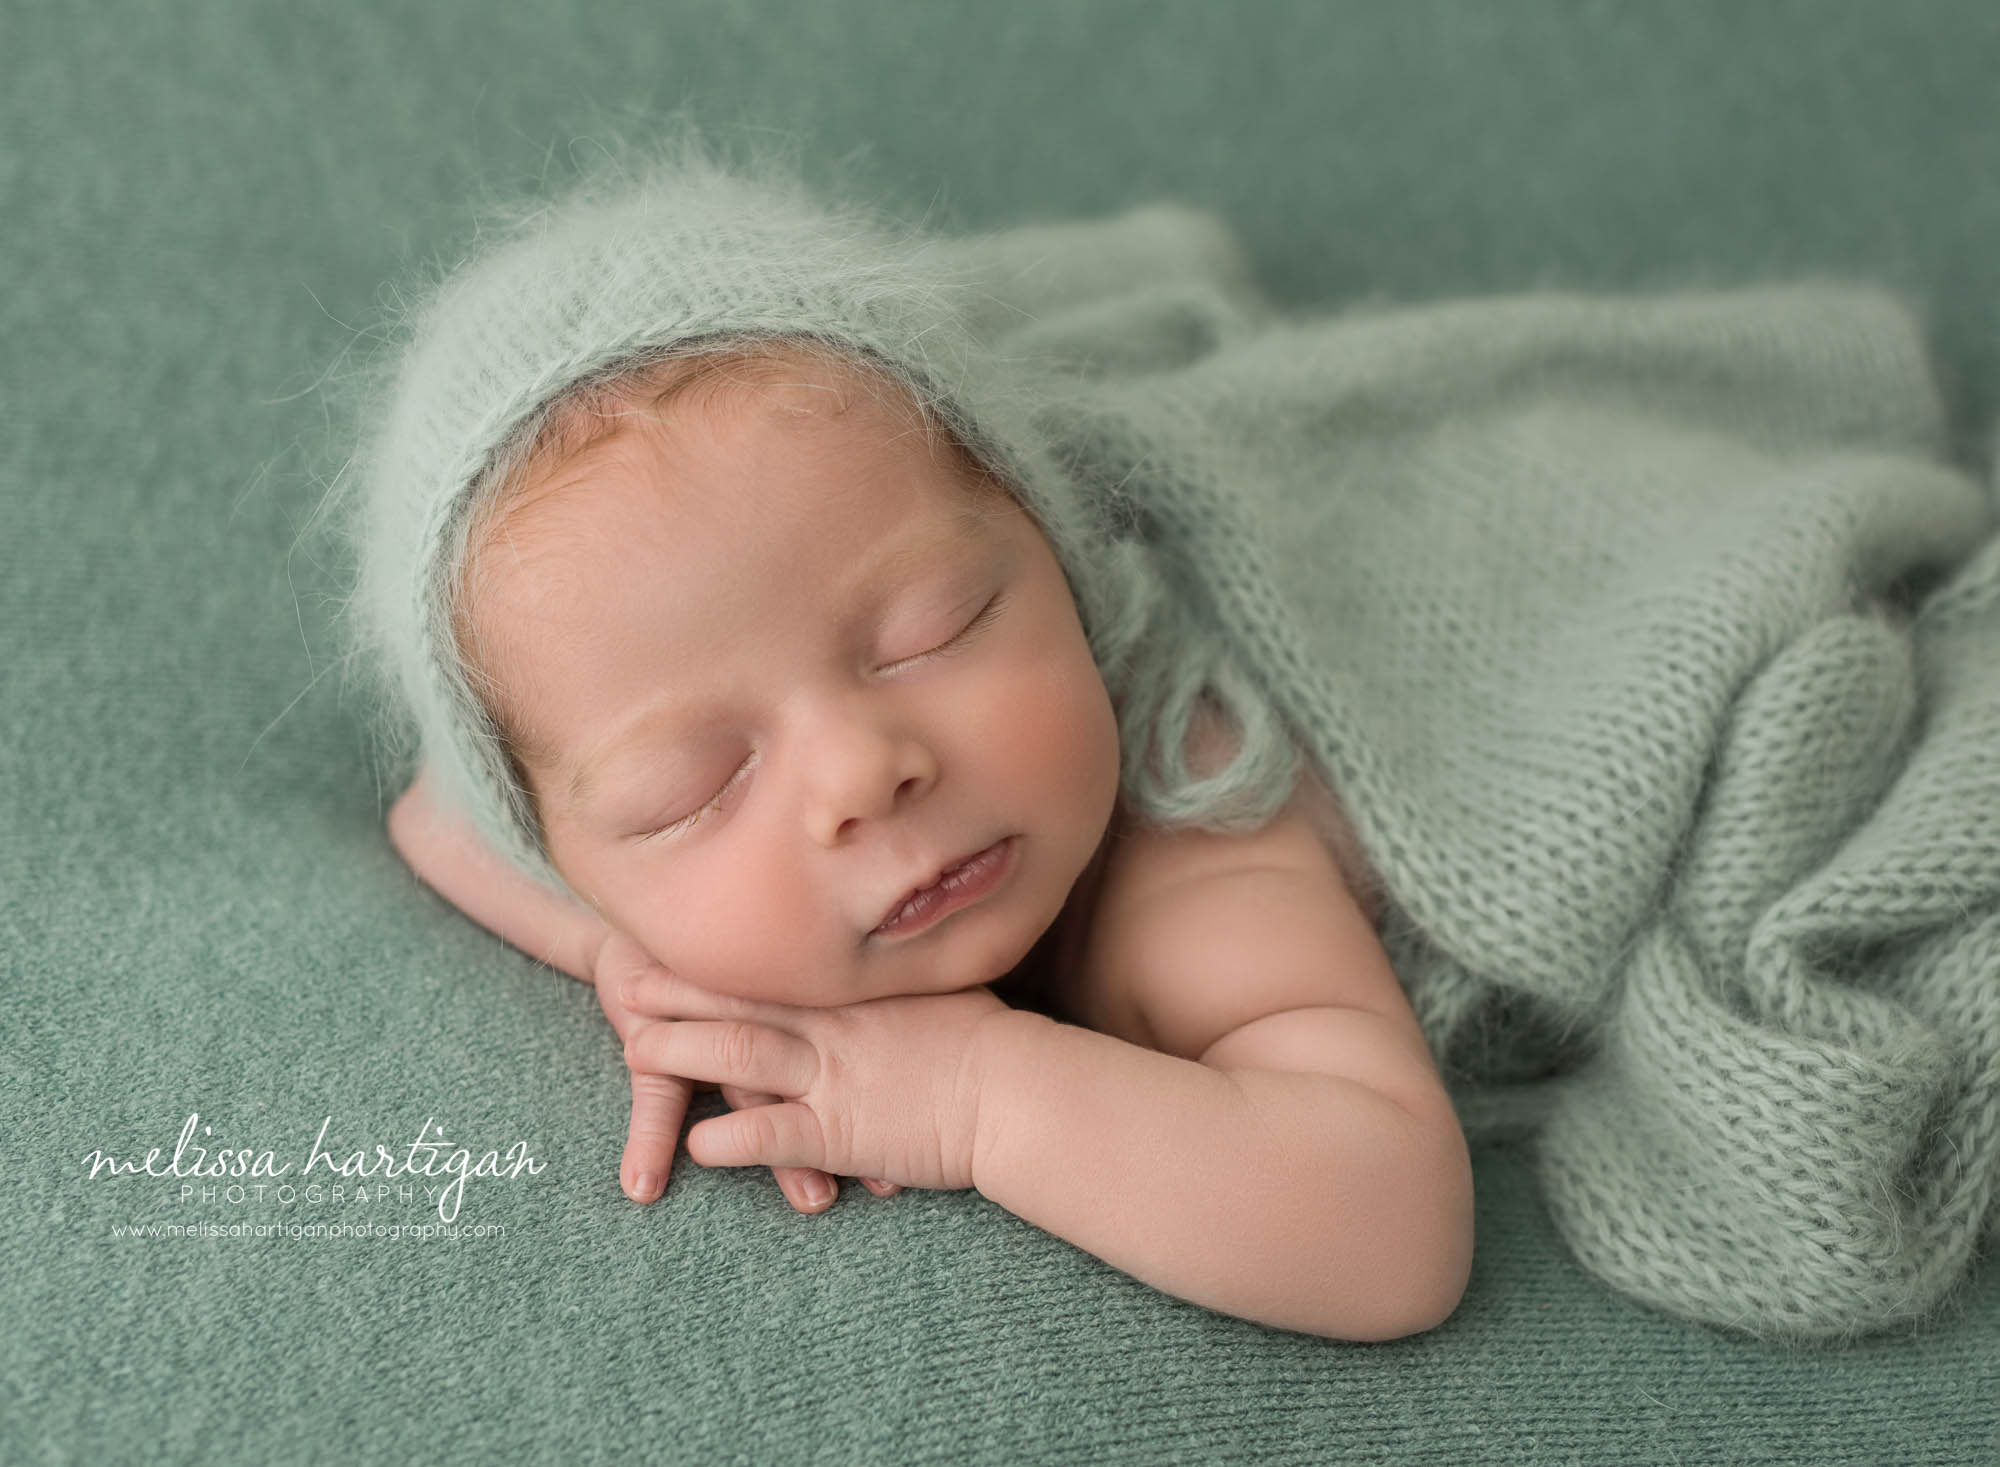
986 615
713 804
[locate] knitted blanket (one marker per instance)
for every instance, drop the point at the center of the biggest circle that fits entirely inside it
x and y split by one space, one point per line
1654 651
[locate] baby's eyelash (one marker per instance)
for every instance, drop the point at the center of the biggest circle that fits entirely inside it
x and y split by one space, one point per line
688 821
986 615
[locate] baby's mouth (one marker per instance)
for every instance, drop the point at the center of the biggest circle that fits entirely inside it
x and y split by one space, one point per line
957 887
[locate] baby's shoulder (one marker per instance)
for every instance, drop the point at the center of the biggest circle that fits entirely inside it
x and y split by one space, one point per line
1307 855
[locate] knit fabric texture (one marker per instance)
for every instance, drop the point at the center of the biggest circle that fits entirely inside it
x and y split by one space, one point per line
1650 643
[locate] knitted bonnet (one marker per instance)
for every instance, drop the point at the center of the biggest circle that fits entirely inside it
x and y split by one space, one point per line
689 253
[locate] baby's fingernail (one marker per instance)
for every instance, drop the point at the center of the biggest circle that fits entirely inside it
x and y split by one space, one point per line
629 991
647 1187
819 1191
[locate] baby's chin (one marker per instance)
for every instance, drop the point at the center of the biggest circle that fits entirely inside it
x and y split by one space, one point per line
931 972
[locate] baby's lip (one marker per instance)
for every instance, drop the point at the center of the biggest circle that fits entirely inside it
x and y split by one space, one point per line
938 874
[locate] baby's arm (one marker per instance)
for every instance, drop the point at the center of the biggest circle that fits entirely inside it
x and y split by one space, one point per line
444 849
1275 1191
1267 1133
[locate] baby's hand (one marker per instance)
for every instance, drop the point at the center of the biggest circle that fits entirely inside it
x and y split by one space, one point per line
887 1086
659 1102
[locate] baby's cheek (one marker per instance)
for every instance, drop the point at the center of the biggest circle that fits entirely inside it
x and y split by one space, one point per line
755 937
1064 732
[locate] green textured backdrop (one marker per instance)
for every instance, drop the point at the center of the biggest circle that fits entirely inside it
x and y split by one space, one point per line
199 204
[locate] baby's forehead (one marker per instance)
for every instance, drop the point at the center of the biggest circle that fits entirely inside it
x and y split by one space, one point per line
955 515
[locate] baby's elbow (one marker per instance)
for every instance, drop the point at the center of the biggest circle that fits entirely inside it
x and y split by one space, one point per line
1416 1308
1454 1275
1435 1237
1439 1303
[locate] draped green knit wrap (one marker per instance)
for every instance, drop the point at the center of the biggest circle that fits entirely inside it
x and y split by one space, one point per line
1651 644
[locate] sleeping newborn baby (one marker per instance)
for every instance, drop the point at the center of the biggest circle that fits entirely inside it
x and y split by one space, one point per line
756 688
807 717
1019 712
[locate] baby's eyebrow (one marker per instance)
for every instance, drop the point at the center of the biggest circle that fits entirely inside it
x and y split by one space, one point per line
893 567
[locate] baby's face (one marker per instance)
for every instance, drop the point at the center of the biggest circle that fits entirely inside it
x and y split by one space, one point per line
773 665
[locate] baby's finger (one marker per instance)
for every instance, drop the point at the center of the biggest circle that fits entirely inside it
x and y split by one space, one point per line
798 1183
881 1188
659 1105
662 994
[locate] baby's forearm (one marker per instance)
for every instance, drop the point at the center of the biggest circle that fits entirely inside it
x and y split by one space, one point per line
1300 1200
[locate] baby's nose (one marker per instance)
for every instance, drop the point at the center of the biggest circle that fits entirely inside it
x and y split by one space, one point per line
868 778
